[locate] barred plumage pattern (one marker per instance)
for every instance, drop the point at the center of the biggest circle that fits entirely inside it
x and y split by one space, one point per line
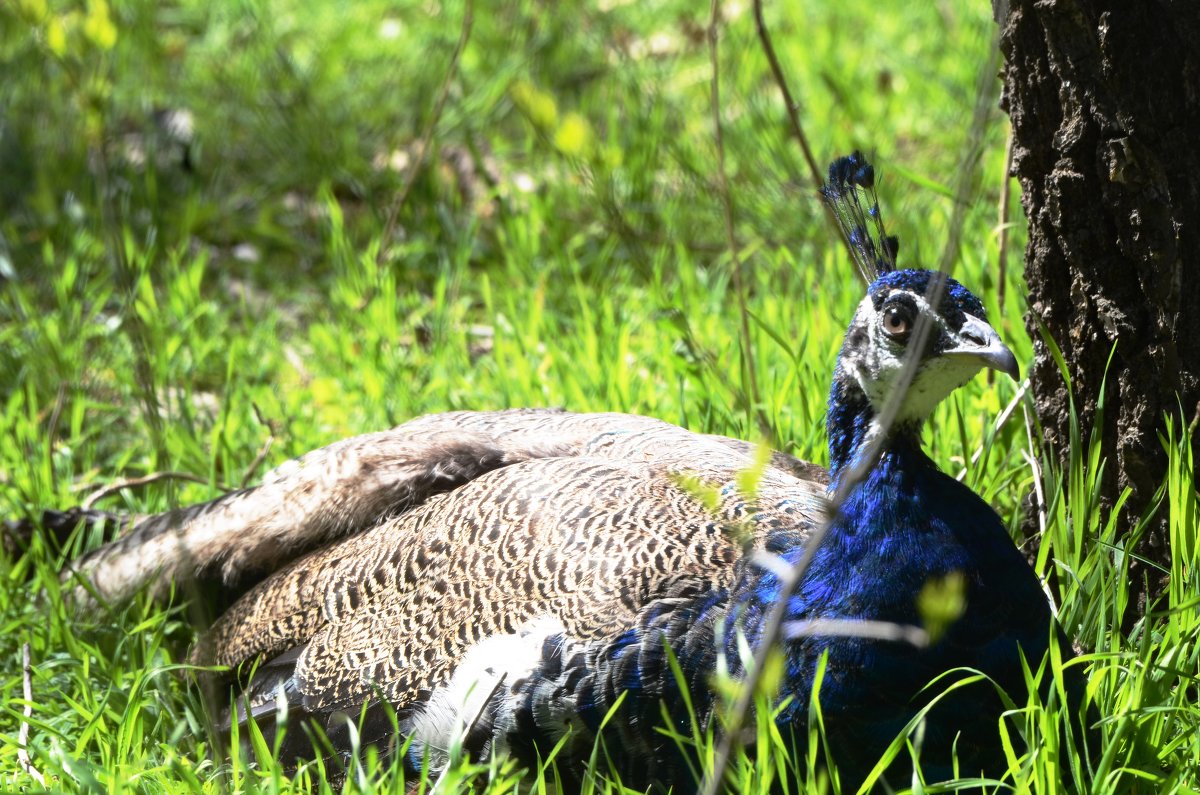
588 539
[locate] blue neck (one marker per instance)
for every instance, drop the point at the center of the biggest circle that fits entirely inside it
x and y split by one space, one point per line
905 519
848 423
906 523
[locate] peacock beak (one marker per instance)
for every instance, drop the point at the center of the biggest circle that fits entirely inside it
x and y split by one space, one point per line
979 341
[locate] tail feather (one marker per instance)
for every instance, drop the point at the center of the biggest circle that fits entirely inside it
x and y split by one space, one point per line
353 485
328 494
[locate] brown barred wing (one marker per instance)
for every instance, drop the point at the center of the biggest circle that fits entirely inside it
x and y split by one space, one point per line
582 542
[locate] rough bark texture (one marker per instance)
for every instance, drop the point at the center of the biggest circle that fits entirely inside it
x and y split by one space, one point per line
1104 97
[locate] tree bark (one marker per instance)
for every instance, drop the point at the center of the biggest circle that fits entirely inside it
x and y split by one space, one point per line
1104 97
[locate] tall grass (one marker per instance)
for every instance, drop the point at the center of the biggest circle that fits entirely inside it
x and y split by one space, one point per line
180 306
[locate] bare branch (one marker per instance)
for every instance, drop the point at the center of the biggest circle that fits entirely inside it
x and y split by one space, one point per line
262 452
121 485
60 400
1000 422
1032 458
1005 201
815 173
764 37
259 457
986 99
875 630
755 409
855 473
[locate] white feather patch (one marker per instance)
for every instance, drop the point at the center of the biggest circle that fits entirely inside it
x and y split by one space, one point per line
489 668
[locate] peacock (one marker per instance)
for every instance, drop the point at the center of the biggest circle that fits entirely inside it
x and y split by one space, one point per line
508 581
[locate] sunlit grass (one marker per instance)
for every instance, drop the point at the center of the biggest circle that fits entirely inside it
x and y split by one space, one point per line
172 309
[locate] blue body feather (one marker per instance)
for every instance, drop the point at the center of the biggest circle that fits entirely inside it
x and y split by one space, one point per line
906 524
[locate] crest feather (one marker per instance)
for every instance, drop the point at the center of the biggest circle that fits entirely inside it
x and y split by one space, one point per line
850 192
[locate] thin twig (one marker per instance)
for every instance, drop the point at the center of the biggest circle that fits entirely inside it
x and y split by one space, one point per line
755 409
986 95
1035 465
262 452
793 111
133 323
1005 199
1002 230
764 36
23 733
1042 510
850 628
60 400
410 178
1000 422
259 457
121 485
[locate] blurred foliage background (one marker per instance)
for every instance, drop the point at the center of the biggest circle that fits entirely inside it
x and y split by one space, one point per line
201 182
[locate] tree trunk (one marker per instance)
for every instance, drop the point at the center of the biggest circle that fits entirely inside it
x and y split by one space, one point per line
1104 97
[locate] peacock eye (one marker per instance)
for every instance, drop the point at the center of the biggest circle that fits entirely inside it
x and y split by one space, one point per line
897 321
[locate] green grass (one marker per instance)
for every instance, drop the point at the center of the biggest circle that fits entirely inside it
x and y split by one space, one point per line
565 246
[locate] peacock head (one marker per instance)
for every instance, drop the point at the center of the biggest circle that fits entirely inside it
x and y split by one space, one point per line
928 323
917 335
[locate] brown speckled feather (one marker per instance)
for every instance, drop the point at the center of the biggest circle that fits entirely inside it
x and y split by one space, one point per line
381 562
351 485
586 540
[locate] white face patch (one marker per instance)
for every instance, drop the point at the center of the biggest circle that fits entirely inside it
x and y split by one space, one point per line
877 360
